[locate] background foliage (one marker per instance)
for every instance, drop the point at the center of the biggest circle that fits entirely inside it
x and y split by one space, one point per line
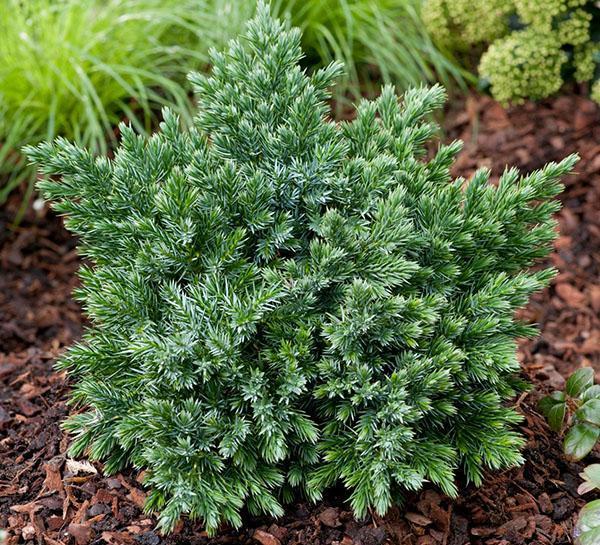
76 68
533 46
384 40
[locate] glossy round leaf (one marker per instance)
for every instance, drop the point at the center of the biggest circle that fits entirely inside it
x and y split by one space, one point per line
546 403
593 392
587 529
580 381
556 416
590 412
580 440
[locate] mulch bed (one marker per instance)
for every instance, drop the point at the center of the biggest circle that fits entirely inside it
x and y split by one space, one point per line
46 498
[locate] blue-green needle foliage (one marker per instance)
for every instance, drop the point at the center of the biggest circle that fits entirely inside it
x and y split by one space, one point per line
280 303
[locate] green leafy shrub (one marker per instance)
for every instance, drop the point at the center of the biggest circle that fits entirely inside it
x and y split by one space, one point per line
576 412
534 45
279 302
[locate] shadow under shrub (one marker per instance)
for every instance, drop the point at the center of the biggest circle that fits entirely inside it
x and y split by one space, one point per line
279 302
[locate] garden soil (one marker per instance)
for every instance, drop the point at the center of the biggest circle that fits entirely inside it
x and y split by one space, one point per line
47 498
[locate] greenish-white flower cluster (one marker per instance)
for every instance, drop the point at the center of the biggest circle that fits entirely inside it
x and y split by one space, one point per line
533 45
524 65
461 24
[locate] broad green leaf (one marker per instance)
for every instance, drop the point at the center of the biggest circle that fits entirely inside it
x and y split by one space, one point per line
593 392
546 403
587 529
580 381
590 412
591 477
556 416
580 440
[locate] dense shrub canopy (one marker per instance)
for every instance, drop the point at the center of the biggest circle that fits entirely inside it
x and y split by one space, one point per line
280 302
534 45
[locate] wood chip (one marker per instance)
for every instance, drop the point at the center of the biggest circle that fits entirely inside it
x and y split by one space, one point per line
265 538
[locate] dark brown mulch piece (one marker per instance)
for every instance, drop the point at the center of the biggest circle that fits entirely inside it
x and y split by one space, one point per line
45 498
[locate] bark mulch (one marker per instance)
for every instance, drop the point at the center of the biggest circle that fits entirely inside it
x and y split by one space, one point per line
47 498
